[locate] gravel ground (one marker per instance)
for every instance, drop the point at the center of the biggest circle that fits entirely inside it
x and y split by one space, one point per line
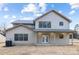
40 50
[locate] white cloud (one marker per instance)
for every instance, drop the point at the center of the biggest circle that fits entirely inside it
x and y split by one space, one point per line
38 14
74 5
60 11
42 7
13 16
12 20
1 6
70 17
9 25
72 12
37 10
29 8
27 18
6 9
6 16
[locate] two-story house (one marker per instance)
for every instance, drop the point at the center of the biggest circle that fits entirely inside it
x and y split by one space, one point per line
51 28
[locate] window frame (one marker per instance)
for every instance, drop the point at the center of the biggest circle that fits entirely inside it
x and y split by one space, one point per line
61 23
70 36
20 37
61 36
44 24
26 38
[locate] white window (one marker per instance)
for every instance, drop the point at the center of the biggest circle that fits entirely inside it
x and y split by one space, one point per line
45 38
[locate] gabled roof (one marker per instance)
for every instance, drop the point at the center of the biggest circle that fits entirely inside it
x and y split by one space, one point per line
32 21
54 12
19 26
23 22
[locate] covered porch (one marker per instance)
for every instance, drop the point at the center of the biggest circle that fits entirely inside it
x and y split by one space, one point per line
54 38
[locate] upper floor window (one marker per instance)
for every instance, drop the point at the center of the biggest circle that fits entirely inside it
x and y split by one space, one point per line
61 24
44 24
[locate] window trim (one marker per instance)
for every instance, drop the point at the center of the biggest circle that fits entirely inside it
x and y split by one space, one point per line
22 36
70 36
61 34
61 23
44 24
47 38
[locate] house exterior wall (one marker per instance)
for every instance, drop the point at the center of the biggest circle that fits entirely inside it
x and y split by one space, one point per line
35 37
21 30
54 19
58 41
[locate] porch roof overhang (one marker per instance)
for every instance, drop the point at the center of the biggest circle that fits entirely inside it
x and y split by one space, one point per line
54 30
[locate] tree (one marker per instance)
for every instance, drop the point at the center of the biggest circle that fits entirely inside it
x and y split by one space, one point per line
76 28
3 29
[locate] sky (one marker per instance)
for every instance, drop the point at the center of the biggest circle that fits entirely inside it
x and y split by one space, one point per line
10 12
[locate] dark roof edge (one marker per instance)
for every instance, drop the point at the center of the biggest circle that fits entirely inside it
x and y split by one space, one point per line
23 23
54 30
18 26
54 12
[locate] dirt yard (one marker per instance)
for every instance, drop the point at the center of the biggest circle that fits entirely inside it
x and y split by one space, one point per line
39 50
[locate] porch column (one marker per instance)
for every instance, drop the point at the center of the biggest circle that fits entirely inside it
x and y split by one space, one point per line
37 37
54 37
72 39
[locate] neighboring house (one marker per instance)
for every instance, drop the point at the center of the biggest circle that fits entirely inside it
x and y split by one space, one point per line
2 38
51 28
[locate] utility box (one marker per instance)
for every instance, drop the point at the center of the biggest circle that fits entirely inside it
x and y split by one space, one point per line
8 43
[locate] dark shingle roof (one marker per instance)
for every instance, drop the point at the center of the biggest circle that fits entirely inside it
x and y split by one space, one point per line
53 30
23 22
19 26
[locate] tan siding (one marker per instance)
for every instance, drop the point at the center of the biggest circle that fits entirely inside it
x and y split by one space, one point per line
55 41
54 19
22 30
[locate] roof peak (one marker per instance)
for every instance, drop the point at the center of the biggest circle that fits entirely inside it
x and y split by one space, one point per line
31 21
54 12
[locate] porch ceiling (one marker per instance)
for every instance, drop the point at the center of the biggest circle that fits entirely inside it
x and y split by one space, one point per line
54 30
